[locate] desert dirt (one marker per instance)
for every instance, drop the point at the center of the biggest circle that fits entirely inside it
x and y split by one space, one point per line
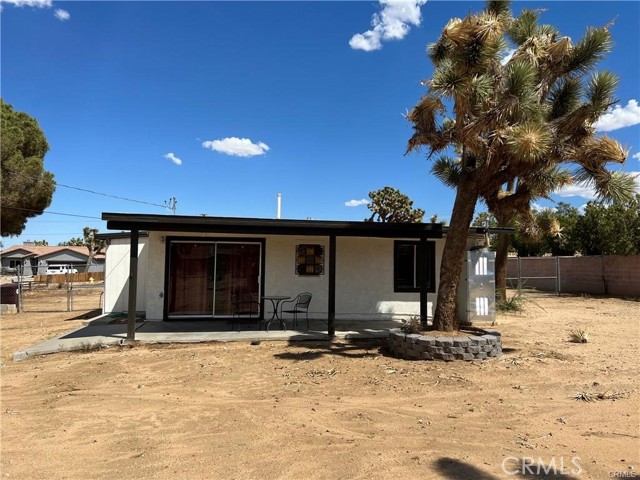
318 410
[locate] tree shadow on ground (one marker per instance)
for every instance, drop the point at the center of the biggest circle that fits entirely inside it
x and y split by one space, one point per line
532 468
311 350
454 469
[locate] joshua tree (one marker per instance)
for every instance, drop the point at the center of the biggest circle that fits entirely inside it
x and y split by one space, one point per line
392 206
511 120
510 205
92 243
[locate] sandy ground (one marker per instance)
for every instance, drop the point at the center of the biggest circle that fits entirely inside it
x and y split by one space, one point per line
329 411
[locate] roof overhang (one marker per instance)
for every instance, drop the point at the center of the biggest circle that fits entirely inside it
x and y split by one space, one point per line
113 235
265 226
18 253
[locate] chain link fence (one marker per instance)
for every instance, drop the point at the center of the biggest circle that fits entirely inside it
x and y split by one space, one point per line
62 294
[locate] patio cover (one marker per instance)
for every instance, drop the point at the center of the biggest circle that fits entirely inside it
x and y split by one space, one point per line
136 223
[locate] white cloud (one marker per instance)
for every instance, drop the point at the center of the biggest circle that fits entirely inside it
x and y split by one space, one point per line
577 190
391 23
637 179
173 158
619 117
356 203
586 190
636 156
29 3
238 147
61 15
507 56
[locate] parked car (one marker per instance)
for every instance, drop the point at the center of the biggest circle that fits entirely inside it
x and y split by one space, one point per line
60 269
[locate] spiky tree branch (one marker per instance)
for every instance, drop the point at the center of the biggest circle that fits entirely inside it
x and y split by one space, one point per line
514 123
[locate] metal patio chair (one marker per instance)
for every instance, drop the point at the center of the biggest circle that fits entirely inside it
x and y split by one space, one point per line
298 305
244 306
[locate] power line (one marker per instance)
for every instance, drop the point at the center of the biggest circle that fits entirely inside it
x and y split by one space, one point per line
109 195
51 213
54 221
89 191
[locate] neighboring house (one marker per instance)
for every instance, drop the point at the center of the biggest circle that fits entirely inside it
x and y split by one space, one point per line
192 266
35 259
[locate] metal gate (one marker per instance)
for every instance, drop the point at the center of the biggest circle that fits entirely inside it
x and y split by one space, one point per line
540 273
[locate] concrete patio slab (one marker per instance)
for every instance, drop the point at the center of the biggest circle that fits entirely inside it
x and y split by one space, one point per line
101 331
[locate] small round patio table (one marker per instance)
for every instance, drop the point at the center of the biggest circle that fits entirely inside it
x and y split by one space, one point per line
275 301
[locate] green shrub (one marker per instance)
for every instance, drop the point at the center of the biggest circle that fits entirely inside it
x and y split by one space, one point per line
515 303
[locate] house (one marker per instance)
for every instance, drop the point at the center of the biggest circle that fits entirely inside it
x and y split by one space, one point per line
35 259
189 267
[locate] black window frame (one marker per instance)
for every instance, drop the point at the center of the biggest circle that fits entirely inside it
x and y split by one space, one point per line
429 265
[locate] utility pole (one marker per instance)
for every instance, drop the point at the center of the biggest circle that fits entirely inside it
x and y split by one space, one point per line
171 204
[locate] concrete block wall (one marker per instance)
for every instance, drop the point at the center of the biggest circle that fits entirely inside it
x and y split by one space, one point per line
582 275
615 275
622 275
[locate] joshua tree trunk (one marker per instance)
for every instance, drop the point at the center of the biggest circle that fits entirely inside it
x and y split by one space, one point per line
505 218
455 246
502 252
89 259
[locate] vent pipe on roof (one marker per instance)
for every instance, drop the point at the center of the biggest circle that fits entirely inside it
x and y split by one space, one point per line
279 211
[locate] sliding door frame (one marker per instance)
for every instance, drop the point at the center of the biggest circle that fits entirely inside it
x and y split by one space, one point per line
211 240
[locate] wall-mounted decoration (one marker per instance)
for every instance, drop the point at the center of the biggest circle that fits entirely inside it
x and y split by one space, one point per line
309 259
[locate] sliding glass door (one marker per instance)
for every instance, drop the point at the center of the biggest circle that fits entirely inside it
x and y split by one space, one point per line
237 271
191 269
205 275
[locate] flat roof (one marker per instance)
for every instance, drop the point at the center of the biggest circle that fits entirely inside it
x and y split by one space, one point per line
112 235
237 225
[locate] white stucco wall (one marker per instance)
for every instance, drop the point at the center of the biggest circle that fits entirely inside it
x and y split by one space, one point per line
155 275
281 278
364 275
116 275
364 281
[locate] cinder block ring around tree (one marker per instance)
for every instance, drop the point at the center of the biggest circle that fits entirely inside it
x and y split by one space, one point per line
479 344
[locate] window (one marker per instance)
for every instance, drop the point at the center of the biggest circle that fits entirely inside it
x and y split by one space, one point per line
309 259
411 267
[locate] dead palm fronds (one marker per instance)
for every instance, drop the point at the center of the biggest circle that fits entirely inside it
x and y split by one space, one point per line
594 396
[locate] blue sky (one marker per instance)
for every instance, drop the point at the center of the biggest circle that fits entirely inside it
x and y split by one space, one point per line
223 105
